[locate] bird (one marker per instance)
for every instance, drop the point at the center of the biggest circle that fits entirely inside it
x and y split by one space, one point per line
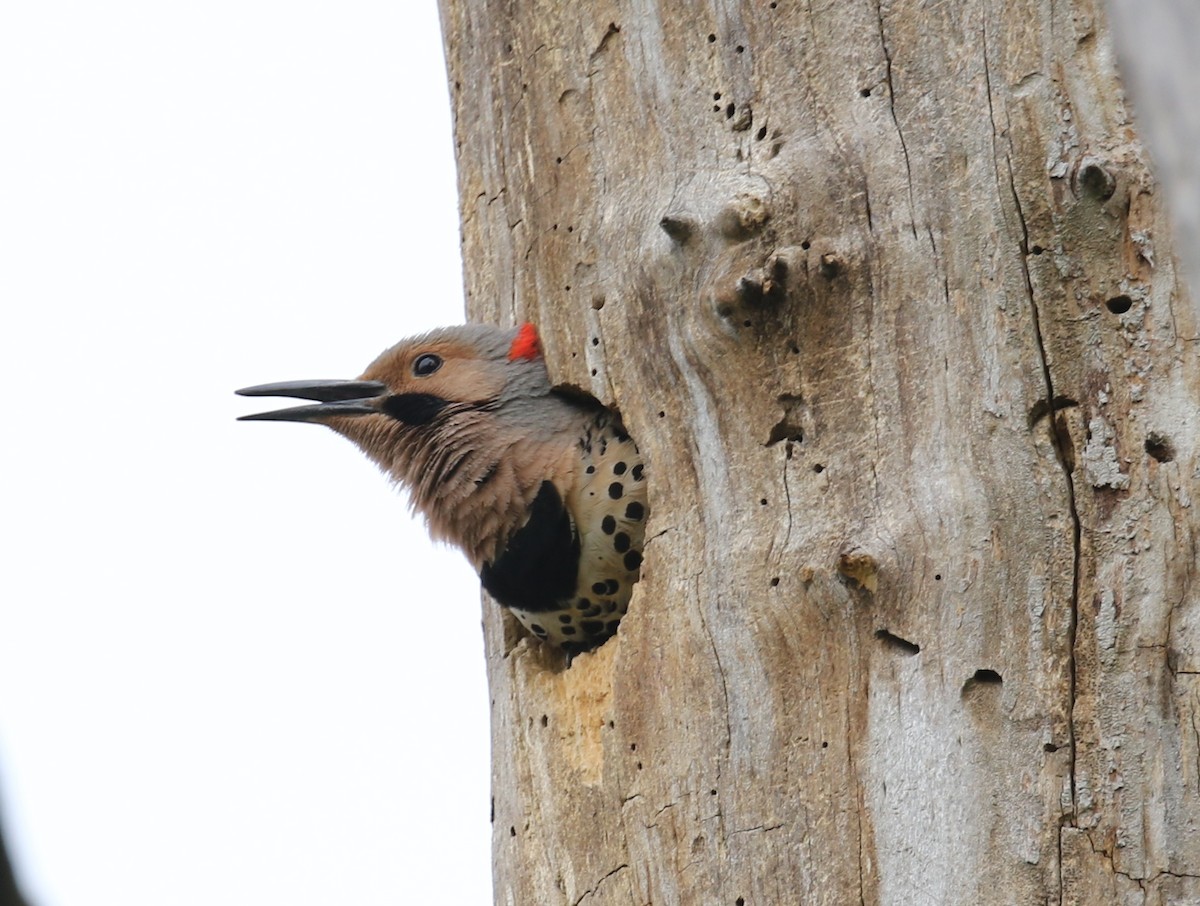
542 489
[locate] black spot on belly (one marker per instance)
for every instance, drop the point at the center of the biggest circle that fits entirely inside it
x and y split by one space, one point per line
567 630
592 627
616 490
633 560
612 625
636 472
619 468
537 630
590 470
621 542
583 604
612 586
564 618
635 511
609 525
599 588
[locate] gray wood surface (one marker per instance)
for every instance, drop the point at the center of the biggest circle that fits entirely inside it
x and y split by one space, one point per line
918 622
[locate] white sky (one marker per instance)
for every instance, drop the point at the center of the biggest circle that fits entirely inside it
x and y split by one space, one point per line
231 668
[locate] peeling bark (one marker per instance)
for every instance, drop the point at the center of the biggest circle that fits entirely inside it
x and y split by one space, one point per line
887 297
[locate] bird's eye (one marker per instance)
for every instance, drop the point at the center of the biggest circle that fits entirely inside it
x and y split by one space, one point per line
427 364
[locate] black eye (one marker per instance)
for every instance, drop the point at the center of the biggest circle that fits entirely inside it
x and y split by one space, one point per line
426 364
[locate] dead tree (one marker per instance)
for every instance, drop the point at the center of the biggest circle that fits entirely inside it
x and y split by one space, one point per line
886 295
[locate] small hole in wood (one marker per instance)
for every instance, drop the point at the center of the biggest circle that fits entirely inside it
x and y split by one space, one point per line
740 49
662 413
712 792
740 901
986 677
633 747
865 92
512 831
712 38
891 640
1118 305
593 372
1049 747
716 95
1036 250
545 720
774 581
824 745
818 468
761 133
716 108
558 160
763 502
730 109
1096 181
595 341
639 765
806 245
746 323
1159 447
937 577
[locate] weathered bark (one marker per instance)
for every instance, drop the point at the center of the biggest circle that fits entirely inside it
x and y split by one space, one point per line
918 622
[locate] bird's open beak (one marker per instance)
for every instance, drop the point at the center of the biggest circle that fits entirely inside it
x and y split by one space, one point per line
335 398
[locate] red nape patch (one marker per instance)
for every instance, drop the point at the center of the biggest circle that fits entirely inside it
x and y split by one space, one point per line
527 345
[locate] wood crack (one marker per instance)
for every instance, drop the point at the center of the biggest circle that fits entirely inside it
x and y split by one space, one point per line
1065 458
592 890
887 56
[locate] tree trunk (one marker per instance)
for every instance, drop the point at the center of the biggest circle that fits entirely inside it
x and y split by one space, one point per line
885 295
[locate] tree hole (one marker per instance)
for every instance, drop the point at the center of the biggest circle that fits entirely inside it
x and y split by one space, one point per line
712 39
982 677
818 468
774 581
545 720
1097 182
1159 447
1118 305
865 92
761 133
730 109
904 646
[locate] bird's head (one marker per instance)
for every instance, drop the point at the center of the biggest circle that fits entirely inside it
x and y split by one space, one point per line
423 390
464 417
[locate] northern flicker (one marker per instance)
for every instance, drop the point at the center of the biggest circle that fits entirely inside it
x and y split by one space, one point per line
544 492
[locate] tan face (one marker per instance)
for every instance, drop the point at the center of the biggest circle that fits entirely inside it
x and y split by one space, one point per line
444 368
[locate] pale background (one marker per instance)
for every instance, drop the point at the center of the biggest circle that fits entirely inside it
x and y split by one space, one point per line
231 668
